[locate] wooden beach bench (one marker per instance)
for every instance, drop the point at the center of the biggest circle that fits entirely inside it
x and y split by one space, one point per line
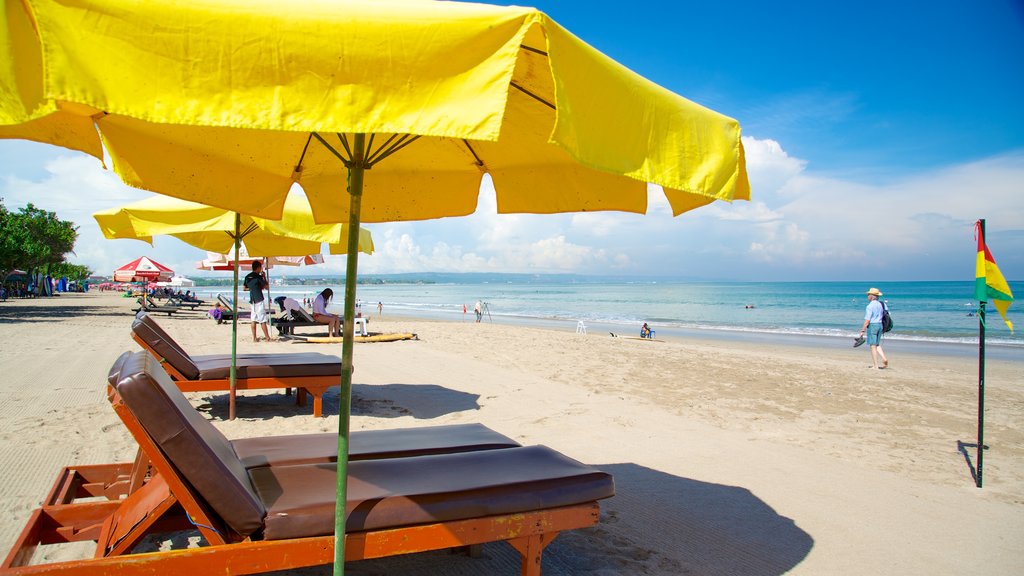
309 373
259 518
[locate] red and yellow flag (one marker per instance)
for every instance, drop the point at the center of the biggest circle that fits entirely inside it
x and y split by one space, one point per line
989 283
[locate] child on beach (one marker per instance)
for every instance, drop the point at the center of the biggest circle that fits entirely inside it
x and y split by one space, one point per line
217 313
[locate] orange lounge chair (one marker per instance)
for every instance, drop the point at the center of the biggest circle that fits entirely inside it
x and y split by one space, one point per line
309 372
278 517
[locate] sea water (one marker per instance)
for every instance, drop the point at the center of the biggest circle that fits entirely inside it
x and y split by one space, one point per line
924 312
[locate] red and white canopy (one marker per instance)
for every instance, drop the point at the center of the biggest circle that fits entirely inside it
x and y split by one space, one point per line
143 270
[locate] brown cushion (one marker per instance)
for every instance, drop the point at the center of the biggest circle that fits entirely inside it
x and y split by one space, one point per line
200 453
146 328
406 491
289 365
366 444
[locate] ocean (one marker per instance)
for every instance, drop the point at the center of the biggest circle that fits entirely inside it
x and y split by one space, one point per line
925 313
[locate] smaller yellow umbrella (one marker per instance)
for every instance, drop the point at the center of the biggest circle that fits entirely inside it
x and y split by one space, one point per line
213 229
219 230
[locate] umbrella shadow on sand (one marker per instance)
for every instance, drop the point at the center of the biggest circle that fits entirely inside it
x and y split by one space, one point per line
657 524
18 314
421 401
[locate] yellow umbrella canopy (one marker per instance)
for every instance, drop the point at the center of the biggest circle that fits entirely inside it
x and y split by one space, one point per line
487 89
212 229
229 103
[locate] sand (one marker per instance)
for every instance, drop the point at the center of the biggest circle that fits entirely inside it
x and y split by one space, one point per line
729 457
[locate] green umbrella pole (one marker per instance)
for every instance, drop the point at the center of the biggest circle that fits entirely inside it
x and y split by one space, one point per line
355 190
234 325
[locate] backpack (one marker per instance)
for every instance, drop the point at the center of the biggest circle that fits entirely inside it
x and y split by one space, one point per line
886 318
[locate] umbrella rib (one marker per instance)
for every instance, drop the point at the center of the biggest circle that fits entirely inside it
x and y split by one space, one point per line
302 158
372 157
404 141
532 49
479 162
344 142
331 148
249 229
532 95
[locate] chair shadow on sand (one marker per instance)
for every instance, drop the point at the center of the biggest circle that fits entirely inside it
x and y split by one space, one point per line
421 401
656 524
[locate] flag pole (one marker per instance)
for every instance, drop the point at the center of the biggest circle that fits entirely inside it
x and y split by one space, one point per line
981 376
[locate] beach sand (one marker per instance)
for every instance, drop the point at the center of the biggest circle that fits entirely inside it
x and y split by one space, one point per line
729 457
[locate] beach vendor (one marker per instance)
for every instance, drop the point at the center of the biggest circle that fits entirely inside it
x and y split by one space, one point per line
873 328
645 331
255 282
321 315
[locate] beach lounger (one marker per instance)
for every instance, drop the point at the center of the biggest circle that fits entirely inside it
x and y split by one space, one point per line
268 518
182 303
147 305
294 319
226 301
309 372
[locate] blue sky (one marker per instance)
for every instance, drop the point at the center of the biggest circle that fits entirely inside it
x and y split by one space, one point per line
876 134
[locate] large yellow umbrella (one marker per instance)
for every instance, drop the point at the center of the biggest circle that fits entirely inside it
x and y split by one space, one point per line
220 230
230 102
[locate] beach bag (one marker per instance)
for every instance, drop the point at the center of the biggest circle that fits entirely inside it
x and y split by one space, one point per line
886 318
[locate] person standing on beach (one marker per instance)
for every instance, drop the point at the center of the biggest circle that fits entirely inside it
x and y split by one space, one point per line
255 282
478 309
873 328
380 309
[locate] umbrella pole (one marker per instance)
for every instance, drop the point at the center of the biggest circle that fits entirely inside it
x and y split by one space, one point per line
234 326
270 300
355 190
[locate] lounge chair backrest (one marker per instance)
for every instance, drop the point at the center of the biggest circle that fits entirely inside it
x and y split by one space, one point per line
200 453
146 328
227 301
300 315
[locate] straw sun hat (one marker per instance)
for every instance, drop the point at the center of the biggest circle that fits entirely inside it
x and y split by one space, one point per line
874 292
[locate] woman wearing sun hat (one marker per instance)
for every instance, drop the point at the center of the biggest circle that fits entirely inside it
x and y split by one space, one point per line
873 328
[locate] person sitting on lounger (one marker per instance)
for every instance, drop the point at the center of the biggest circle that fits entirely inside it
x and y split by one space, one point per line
321 315
217 313
287 304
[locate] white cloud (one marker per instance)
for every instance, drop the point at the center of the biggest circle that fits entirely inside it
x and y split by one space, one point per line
801 225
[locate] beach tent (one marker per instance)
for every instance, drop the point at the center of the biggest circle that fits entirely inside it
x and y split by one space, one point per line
143 269
380 111
180 281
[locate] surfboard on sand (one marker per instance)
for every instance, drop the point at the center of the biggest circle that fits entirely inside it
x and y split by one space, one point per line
313 339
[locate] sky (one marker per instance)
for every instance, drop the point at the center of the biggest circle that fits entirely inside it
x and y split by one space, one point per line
876 134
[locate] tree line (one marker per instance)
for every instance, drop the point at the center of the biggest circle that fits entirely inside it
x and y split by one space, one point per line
37 241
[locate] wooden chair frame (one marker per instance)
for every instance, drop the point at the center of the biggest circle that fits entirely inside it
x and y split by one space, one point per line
315 386
149 496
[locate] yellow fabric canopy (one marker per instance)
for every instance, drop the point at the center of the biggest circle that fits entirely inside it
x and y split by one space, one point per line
212 229
197 100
